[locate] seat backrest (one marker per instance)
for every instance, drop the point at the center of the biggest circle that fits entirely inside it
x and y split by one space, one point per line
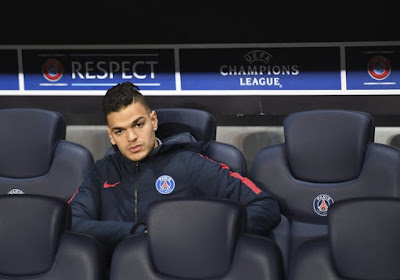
227 154
328 156
35 242
196 239
363 243
35 157
201 124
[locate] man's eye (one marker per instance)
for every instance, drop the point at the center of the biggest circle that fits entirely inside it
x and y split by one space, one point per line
118 132
139 125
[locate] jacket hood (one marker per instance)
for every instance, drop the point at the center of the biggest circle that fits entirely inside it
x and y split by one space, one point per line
182 140
178 141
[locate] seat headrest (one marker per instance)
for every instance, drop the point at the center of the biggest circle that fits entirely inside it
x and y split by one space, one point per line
167 129
31 227
194 238
201 124
227 154
364 238
326 146
28 138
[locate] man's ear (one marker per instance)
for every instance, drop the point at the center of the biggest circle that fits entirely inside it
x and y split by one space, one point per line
110 136
154 120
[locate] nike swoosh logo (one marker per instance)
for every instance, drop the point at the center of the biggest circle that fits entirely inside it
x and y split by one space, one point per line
107 185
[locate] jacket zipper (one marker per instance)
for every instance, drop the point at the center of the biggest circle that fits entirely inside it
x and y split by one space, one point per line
135 214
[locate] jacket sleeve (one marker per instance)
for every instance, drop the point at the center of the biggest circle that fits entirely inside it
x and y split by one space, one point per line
86 212
216 180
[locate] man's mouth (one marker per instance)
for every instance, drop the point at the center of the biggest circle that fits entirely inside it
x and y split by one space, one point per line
135 149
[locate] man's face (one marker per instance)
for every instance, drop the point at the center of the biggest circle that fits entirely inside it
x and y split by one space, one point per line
132 129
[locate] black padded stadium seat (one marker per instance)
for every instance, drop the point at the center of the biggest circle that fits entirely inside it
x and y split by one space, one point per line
35 158
196 239
328 156
363 243
201 124
36 244
227 154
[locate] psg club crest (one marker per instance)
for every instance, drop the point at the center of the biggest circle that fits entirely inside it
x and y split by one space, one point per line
321 204
16 191
165 184
379 67
52 70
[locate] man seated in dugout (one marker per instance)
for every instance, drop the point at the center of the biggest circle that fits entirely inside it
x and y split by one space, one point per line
111 202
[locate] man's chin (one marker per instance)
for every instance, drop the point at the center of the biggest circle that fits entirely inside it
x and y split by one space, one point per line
135 157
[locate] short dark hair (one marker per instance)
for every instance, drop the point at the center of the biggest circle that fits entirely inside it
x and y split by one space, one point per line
120 96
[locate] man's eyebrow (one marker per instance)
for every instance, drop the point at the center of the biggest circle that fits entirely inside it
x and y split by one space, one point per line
134 122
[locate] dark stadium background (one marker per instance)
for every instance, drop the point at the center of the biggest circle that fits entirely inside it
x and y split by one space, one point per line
197 22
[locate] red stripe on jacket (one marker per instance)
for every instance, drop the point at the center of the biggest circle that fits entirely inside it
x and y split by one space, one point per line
77 191
244 180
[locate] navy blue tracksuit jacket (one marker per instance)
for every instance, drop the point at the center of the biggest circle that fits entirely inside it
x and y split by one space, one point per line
116 193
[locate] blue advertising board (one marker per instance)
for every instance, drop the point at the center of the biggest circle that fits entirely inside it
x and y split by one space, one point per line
297 68
373 68
149 69
206 69
9 70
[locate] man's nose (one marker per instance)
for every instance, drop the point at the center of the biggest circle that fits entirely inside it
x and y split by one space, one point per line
131 135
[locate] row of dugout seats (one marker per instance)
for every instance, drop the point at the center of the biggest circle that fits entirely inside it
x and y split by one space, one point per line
328 157
36 243
36 158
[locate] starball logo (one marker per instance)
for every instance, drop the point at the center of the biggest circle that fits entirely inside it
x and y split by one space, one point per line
52 70
258 69
379 67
